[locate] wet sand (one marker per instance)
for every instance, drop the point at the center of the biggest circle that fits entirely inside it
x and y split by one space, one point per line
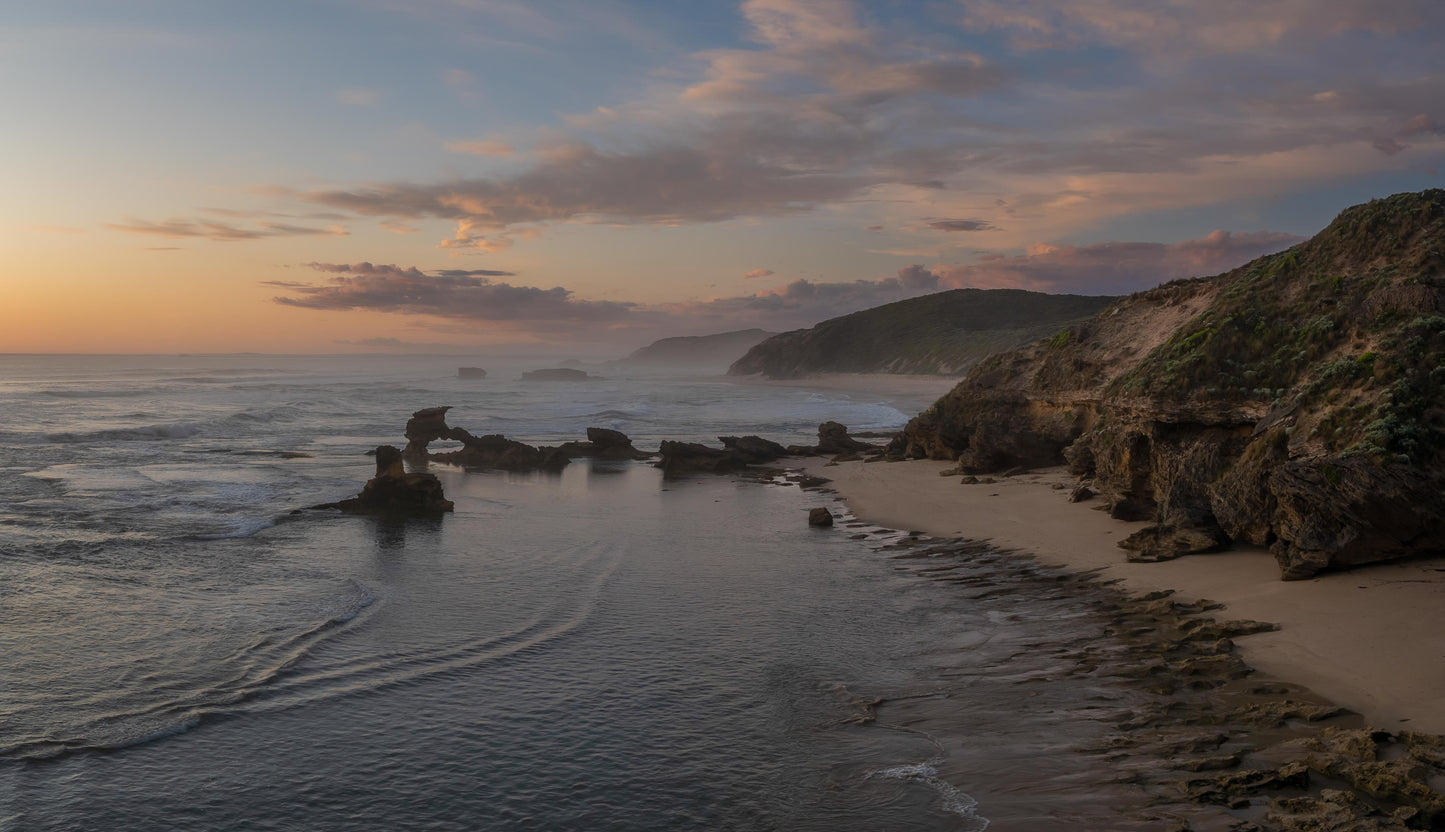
1106 705
1368 639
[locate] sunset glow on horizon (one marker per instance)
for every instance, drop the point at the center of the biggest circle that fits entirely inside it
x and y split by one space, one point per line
586 176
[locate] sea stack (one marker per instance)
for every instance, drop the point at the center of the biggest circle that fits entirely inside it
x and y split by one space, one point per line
394 492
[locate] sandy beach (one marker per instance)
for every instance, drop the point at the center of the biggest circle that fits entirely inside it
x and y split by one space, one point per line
1368 639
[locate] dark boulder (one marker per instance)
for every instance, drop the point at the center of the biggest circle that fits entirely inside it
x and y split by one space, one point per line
497 451
471 372
689 457
833 438
753 449
603 443
394 492
820 516
1167 541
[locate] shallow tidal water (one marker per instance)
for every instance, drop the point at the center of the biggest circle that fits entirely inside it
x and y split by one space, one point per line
599 649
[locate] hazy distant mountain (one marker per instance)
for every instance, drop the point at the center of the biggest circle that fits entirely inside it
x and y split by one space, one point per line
945 333
695 352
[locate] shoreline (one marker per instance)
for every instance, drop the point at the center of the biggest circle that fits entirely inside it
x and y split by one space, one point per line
900 385
1366 638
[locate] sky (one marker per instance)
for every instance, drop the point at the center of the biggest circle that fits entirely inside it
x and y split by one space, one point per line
581 177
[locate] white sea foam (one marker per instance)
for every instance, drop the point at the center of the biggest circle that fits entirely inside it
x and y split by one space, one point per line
242 527
955 800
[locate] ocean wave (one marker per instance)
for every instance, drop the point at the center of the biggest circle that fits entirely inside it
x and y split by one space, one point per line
635 414
281 413
98 394
242 528
145 433
255 668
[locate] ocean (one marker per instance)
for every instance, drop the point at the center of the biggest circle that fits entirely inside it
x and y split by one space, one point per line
603 648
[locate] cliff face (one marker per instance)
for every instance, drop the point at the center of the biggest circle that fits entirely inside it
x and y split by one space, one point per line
1296 402
946 333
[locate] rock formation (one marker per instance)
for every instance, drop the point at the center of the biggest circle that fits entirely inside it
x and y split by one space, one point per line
603 443
497 451
471 372
820 516
394 492
1296 402
753 449
737 453
833 438
691 457
490 451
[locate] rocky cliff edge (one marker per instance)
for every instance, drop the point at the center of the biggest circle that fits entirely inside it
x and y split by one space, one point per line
1295 402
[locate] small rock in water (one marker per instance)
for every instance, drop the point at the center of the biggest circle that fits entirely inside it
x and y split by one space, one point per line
820 516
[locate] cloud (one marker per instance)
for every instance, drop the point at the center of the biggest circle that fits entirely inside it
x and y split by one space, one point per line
467 238
358 97
803 302
455 294
367 269
482 147
1114 267
805 118
579 182
961 225
756 273
1188 28
224 232
1423 124
398 228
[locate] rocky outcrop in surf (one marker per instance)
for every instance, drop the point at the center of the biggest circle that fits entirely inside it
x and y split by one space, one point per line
604 443
498 452
395 492
490 451
694 457
1296 402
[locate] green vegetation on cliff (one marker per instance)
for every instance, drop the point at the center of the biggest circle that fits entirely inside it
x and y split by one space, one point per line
944 333
1296 402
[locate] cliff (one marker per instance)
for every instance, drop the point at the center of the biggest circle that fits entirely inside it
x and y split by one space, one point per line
945 333
1295 402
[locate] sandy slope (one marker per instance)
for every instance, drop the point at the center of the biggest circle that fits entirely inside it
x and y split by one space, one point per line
1372 639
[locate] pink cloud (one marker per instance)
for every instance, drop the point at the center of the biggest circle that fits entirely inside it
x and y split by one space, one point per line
1114 267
